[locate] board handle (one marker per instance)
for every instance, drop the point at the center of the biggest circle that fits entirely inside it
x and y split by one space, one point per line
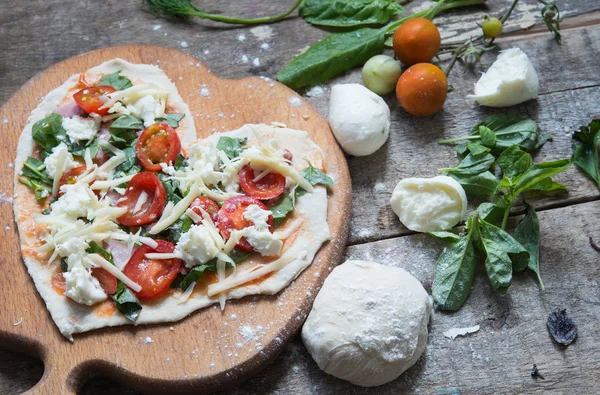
54 381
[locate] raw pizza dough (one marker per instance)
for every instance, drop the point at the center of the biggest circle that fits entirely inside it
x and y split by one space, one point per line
71 317
368 323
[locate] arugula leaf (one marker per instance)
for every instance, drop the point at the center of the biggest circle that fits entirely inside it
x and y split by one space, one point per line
537 173
123 131
478 185
49 133
503 255
281 208
336 53
528 234
316 176
513 161
126 302
454 273
171 119
116 81
509 130
340 13
447 236
471 165
232 146
585 149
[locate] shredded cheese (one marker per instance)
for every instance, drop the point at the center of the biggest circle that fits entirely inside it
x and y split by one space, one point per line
112 183
61 161
112 269
142 199
188 292
178 210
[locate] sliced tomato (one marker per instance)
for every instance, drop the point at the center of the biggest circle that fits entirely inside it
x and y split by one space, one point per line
208 205
107 281
231 217
70 177
155 200
157 144
89 98
269 187
153 275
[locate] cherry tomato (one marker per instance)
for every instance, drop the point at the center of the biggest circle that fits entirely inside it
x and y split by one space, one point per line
416 41
155 201
492 27
208 205
422 89
231 217
107 281
269 187
70 177
157 144
153 275
89 98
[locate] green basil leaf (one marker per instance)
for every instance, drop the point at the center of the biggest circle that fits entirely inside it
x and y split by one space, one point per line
503 255
585 149
193 275
180 162
547 185
126 302
49 133
41 190
511 130
316 176
513 161
116 81
454 273
78 148
95 248
232 146
528 234
171 119
488 137
173 233
477 149
471 165
478 185
331 56
64 265
238 255
123 131
35 170
129 166
447 236
341 13
536 173
490 212
281 208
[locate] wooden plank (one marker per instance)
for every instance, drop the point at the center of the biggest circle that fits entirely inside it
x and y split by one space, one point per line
513 334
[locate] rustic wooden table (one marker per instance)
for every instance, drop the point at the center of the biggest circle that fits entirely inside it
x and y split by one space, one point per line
498 359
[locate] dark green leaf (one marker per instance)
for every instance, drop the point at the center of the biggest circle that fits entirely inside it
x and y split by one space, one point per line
41 190
35 170
129 166
116 81
547 185
585 149
454 272
173 233
503 255
471 165
232 146
95 248
171 119
78 148
528 234
342 13
488 138
281 208
513 161
193 275
513 129
64 266
537 173
479 185
331 56
49 133
238 255
123 131
447 236
490 212
316 176
477 149
126 302
180 162
552 19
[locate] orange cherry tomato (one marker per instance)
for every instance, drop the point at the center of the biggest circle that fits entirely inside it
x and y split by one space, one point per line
231 217
153 275
150 210
157 144
416 41
422 89
89 98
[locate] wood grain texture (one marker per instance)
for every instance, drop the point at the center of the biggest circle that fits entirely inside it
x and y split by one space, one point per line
38 33
208 350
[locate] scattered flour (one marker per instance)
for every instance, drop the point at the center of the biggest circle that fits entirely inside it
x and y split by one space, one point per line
204 92
206 52
295 101
233 317
241 37
256 62
263 33
5 121
379 187
455 332
251 334
147 340
7 228
4 198
265 46
156 27
184 44
18 322
245 59
315 91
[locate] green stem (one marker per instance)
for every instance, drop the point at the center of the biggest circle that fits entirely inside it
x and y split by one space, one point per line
447 141
185 8
506 214
510 10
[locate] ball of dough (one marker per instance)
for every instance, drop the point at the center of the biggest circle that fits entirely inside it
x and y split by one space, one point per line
359 119
368 323
429 204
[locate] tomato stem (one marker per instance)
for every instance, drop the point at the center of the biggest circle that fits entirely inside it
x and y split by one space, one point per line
185 9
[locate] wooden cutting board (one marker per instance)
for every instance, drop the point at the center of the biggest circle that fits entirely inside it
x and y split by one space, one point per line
211 349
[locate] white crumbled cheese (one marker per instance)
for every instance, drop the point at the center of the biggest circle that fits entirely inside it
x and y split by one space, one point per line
50 161
74 246
82 287
197 246
76 202
204 160
258 235
79 128
148 109
143 101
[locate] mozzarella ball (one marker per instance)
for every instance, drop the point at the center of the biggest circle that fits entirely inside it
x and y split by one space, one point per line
368 323
359 119
509 81
380 74
429 204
